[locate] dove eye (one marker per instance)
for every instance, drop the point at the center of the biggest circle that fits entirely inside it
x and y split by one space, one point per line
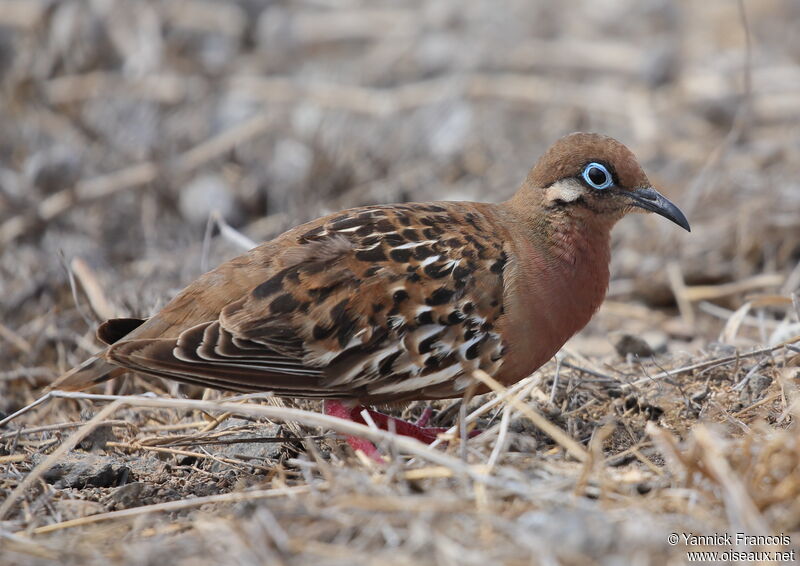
597 176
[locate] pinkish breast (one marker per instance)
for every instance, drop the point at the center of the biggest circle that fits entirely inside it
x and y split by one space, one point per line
557 284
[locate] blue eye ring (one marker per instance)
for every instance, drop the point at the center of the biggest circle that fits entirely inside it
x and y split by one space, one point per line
592 169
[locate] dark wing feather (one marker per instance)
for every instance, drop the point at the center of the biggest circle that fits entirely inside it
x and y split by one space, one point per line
116 329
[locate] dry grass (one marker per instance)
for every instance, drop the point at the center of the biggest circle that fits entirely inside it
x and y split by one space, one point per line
144 142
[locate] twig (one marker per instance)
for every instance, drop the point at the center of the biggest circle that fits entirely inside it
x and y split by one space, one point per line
13 458
680 291
85 191
764 401
554 388
16 543
234 236
757 367
595 455
589 371
26 372
135 176
52 458
18 341
488 406
704 292
100 303
738 503
500 442
163 88
43 399
62 426
188 453
517 87
463 430
403 443
571 446
169 506
725 314
73 287
708 364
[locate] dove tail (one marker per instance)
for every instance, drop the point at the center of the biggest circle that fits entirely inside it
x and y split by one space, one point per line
96 370
89 373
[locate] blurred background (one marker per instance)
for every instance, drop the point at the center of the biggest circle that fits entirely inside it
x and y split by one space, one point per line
124 125
127 125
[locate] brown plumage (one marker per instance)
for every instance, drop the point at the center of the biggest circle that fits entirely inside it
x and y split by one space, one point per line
392 303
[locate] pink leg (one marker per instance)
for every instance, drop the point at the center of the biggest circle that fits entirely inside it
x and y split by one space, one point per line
425 417
401 427
426 434
338 409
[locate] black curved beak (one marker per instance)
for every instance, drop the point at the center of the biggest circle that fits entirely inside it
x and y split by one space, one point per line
650 199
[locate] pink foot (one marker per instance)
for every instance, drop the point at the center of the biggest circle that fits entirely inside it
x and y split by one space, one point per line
425 417
338 409
384 422
401 427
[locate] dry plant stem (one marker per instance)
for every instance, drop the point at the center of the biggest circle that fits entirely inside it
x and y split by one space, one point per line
571 446
26 372
177 452
73 287
680 291
18 341
667 445
740 507
588 371
764 401
131 177
233 235
706 292
174 426
502 436
463 432
734 322
12 542
522 389
71 442
44 398
708 364
595 454
726 314
169 506
528 382
13 458
62 426
554 388
401 443
517 87
219 441
62 201
98 300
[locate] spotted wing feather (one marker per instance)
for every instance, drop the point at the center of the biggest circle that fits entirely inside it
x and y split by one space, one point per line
378 303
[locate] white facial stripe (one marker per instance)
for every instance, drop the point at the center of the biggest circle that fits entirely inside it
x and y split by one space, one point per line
566 190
